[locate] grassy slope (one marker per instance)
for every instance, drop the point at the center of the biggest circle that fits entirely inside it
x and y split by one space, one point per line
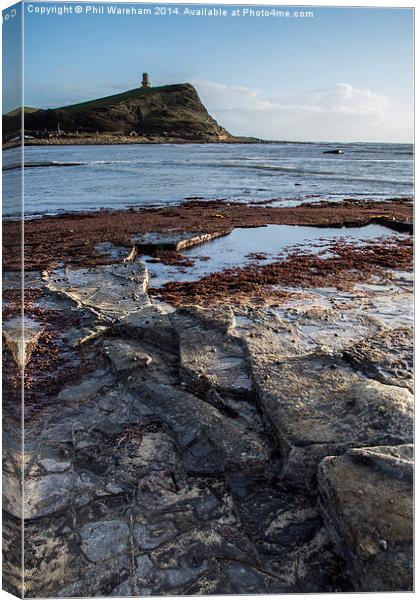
176 108
101 102
115 98
16 111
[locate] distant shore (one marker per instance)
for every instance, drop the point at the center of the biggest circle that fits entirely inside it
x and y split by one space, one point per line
117 140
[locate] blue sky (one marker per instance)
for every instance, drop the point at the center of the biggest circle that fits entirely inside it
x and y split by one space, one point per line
344 74
12 57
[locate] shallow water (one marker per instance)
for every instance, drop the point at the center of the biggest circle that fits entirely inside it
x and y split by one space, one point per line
236 249
80 178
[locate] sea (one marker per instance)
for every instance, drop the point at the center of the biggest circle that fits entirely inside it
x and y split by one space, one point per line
61 179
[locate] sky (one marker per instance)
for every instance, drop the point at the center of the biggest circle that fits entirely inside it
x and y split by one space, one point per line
346 74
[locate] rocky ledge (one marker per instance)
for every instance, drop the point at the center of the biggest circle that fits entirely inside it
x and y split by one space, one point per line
235 449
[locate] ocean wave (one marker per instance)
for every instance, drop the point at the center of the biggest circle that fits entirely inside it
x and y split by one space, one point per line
135 165
331 175
385 151
57 163
33 165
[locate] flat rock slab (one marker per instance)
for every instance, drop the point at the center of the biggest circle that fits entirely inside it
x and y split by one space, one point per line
210 357
319 406
175 240
104 540
316 399
387 356
113 290
116 252
367 499
149 324
42 496
211 442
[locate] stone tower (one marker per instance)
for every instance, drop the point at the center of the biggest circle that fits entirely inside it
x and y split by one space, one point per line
146 81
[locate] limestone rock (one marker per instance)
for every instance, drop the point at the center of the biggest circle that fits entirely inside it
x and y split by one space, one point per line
211 443
367 499
150 324
21 336
104 540
43 495
175 240
113 290
317 400
387 356
210 357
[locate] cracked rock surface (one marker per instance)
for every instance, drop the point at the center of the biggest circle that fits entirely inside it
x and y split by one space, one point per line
367 498
214 451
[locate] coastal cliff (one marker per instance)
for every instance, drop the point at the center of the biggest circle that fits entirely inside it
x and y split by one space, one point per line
170 112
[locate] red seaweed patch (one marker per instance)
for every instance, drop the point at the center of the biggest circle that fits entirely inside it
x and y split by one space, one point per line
345 265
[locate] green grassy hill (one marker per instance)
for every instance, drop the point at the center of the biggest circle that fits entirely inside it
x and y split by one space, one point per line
114 99
17 111
171 110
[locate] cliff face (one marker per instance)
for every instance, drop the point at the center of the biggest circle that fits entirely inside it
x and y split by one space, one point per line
172 110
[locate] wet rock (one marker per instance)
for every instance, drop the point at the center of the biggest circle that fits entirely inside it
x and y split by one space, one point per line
150 536
367 500
300 464
126 355
211 443
104 540
50 562
89 388
387 357
317 400
55 466
286 527
100 580
240 577
141 359
43 495
209 356
175 240
173 579
144 566
116 252
21 337
113 290
12 554
123 589
330 328
150 324
220 318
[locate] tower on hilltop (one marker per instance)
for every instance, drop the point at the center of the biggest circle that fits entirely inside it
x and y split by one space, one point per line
146 81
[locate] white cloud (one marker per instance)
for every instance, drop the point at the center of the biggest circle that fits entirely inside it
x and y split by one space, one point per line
340 112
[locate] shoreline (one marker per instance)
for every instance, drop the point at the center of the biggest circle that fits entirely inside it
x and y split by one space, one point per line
80 233
304 201
124 140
